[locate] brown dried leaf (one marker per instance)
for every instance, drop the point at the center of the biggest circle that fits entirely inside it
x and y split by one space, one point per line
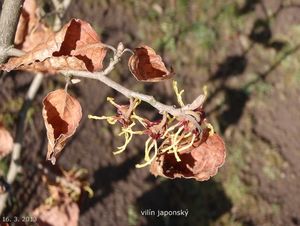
63 214
35 37
6 141
30 31
147 66
75 47
62 114
28 20
200 162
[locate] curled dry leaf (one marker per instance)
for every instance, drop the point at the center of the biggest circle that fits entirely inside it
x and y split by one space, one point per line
30 31
28 20
62 214
200 162
75 47
6 141
147 66
62 114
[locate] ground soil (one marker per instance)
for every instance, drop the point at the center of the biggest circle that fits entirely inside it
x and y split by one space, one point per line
254 103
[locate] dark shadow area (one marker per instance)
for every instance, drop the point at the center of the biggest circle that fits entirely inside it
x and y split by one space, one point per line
261 32
236 101
235 65
231 66
104 179
248 7
277 45
205 202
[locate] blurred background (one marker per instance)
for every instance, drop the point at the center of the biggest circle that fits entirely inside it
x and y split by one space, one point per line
245 51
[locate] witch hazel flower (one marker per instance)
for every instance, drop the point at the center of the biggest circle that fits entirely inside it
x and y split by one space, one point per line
184 146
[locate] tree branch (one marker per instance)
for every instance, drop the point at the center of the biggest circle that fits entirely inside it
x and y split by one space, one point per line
11 10
14 167
7 50
9 19
60 7
185 111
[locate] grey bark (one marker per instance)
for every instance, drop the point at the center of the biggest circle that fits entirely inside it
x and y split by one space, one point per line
10 14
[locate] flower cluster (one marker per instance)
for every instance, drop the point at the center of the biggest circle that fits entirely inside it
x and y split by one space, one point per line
172 141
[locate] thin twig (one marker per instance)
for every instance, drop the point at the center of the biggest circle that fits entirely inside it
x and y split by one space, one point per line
66 4
101 76
11 10
14 52
10 51
57 21
14 167
60 8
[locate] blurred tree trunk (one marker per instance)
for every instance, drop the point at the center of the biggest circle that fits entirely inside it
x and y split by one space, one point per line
10 14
